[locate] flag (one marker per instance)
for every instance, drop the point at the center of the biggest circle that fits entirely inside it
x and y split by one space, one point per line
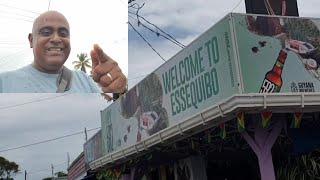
223 133
266 118
117 173
296 121
240 119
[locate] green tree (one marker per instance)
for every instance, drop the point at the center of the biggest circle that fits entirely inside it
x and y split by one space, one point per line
57 175
82 63
7 168
61 174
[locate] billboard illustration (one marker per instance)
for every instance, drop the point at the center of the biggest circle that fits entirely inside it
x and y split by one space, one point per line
144 102
282 53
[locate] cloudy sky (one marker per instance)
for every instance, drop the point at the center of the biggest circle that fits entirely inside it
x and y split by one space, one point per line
185 20
94 21
30 118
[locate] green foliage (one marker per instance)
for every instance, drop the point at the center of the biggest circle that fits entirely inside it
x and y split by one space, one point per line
106 175
82 63
57 174
304 167
7 168
61 174
47 178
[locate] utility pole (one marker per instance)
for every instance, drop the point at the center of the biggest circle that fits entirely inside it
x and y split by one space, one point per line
25 174
85 133
49 5
68 159
52 171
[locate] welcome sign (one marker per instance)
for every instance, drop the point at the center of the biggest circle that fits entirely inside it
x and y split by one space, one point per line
239 54
196 78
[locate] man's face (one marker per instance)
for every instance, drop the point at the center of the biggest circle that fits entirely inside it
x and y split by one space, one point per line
50 41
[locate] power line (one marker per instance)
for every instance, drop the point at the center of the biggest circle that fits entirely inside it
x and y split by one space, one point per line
42 170
138 8
147 42
29 11
138 77
12 43
34 101
166 35
130 1
46 141
2 59
17 14
11 46
157 33
236 5
16 18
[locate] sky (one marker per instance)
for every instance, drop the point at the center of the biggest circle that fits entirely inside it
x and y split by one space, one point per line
185 20
94 21
30 118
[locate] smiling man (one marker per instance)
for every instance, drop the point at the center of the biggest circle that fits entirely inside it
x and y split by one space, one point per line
50 40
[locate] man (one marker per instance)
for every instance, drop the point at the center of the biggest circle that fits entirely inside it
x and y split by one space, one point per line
50 40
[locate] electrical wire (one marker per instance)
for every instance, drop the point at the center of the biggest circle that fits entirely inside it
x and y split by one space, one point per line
130 1
16 18
46 141
147 42
17 14
138 77
166 35
34 101
11 43
12 7
43 170
157 33
236 5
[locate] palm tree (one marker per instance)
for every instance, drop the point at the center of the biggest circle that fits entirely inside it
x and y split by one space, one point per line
83 62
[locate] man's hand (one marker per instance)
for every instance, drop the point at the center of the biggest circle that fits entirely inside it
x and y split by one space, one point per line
106 72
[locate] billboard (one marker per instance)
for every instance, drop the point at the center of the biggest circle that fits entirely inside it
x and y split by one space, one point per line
199 76
93 148
272 7
278 54
239 54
